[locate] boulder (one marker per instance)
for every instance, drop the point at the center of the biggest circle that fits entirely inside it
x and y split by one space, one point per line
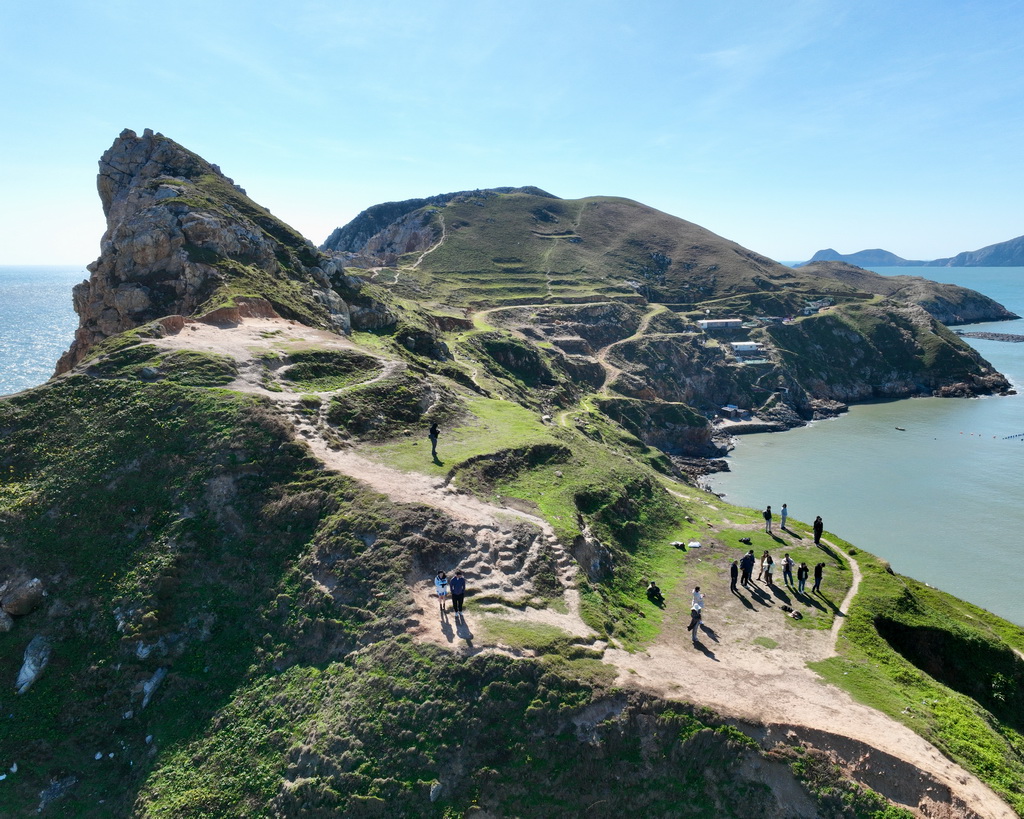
37 656
22 597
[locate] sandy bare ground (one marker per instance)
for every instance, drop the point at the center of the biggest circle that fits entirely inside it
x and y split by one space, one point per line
726 671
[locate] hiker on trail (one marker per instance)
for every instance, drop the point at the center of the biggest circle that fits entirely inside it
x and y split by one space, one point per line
695 619
769 567
819 527
458 590
654 594
819 570
441 587
747 566
767 515
801 577
764 562
787 570
734 573
433 435
783 514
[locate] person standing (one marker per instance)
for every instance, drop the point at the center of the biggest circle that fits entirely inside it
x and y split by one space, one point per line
734 573
458 590
819 527
764 563
783 514
769 567
433 436
787 570
747 567
698 598
801 577
695 620
819 570
441 587
767 515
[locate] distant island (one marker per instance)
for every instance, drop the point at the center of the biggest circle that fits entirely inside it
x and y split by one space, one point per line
1004 254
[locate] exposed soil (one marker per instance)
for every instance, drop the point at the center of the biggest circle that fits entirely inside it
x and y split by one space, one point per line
771 689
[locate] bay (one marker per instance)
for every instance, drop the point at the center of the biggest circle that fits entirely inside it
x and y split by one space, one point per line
943 501
37 322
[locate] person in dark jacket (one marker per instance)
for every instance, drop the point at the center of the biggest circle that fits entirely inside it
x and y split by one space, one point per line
767 515
819 570
801 577
747 566
819 527
694 626
457 587
734 573
433 435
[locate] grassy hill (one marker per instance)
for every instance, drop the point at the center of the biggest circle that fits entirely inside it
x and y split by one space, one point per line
218 539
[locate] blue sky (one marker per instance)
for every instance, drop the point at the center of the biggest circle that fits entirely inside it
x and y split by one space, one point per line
787 126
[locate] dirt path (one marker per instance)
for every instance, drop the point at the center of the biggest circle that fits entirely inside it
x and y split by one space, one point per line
764 682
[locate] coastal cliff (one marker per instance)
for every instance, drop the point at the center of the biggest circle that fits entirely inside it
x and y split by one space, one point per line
183 239
221 531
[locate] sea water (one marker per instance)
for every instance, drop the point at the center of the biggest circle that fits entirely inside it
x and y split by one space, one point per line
37 322
943 499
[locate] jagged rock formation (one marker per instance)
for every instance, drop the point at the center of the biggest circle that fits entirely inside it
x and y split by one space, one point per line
183 239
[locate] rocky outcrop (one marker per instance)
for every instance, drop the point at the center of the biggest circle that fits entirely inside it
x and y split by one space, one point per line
37 657
949 303
881 350
183 239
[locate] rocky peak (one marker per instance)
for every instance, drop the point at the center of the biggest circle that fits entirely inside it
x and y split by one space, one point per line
183 239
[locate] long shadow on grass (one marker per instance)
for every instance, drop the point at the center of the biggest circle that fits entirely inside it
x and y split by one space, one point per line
780 593
759 594
808 600
835 609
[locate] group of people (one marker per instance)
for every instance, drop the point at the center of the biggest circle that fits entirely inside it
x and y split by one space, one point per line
743 570
454 588
818 527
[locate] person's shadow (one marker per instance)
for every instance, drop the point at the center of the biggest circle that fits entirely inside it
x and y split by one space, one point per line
743 598
707 652
437 460
710 632
446 629
462 630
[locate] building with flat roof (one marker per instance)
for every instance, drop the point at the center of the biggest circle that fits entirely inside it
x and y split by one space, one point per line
720 324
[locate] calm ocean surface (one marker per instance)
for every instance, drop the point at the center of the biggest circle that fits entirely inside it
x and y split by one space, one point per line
943 501
37 322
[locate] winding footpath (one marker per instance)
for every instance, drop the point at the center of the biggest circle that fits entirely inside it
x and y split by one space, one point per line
771 689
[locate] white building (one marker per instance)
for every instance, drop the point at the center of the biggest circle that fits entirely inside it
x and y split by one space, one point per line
720 324
745 348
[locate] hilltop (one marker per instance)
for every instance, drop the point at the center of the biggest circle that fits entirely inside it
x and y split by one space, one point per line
1002 254
220 525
